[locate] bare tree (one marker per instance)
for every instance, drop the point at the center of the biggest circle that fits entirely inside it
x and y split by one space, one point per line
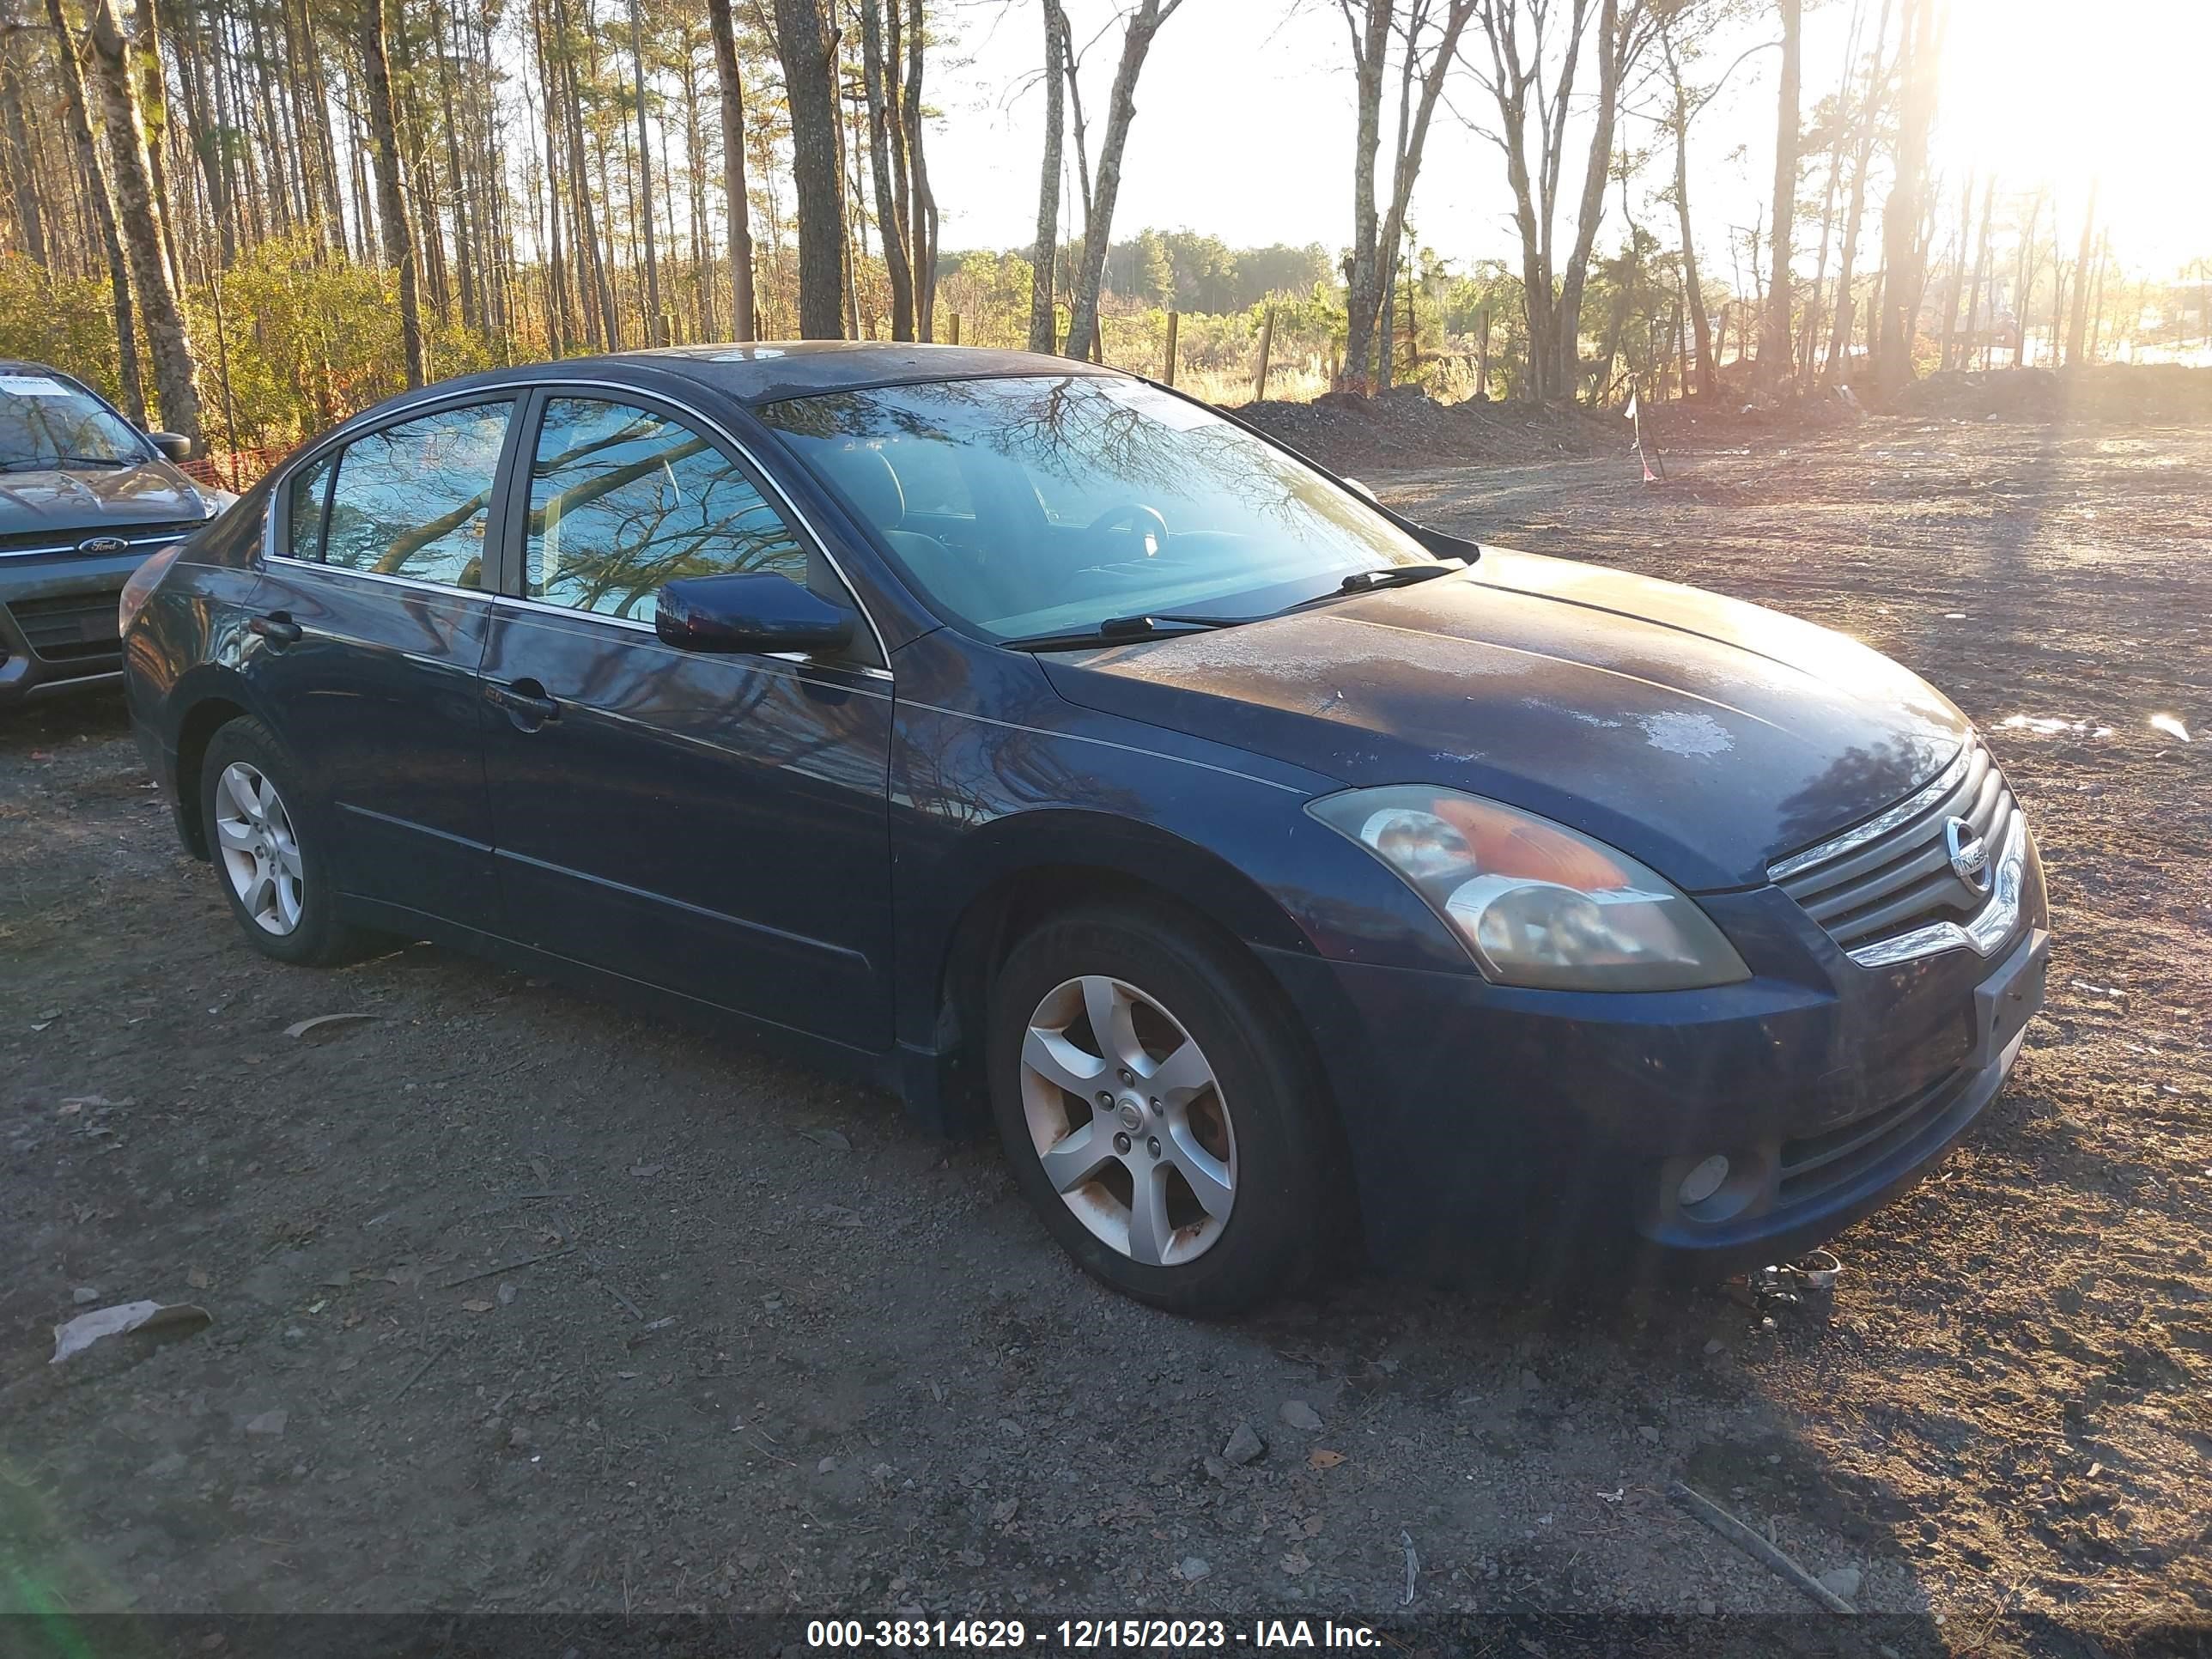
1423 65
1868 121
1043 324
886 153
1905 257
22 167
1099 221
391 204
2077 332
808 47
1535 56
139 214
922 200
103 211
1960 242
1776 331
735 204
655 324
1681 33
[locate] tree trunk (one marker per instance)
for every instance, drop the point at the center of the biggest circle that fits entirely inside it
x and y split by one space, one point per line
1376 241
735 204
30 220
154 115
1958 274
103 212
655 323
1869 122
1043 325
1693 293
2077 331
1612 62
1777 332
921 203
882 120
808 48
1904 257
390 206
1371 46
465 252
176 374
550 256
1977 323
1098 222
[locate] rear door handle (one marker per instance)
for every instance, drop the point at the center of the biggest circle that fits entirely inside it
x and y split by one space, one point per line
277 628
526 702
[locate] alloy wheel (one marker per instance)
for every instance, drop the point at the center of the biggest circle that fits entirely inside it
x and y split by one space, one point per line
260 850
1128 1120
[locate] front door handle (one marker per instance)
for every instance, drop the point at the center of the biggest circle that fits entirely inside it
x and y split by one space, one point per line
526 702
277 628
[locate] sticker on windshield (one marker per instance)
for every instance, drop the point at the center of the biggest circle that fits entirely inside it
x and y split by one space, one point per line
1168 410
32 386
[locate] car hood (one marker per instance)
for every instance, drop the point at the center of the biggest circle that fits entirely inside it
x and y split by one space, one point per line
1703 735
92 501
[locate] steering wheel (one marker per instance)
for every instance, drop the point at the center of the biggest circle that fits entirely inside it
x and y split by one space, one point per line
1132 512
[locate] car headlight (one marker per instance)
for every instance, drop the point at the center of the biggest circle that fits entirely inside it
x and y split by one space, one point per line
1536 903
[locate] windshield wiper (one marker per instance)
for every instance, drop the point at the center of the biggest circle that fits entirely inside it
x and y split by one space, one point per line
1121 631
1372 581
1397 575
51 463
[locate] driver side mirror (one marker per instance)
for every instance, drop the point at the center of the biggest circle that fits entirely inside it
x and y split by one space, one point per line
761 611
173 446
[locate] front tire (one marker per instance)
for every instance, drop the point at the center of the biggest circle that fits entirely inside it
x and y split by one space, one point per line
271 853
1158 1110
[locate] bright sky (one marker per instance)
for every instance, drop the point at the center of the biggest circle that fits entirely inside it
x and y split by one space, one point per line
1244 126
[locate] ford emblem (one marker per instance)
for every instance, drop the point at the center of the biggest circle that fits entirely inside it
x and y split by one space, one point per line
102 546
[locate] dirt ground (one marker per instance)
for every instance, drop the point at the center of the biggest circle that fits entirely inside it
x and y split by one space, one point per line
519 1303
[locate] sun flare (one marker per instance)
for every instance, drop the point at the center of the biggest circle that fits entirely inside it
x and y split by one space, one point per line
2048 95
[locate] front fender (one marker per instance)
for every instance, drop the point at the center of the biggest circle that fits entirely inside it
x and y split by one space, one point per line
1040 785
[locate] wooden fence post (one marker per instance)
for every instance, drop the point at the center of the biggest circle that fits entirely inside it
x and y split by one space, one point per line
956 328
1175 323
1267 345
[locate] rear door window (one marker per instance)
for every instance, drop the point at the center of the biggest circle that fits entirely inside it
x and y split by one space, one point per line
413 500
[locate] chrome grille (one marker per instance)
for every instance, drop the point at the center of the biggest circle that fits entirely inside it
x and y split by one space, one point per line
1885 890
52 544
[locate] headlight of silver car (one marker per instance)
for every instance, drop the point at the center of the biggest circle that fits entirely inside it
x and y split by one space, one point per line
1536 902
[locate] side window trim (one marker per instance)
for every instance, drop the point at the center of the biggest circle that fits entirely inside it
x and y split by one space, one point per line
732 448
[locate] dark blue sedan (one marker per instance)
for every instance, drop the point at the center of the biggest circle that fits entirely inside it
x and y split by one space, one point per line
1040 742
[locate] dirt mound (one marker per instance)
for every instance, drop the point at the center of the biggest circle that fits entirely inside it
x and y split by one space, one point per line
2111 391
1405 427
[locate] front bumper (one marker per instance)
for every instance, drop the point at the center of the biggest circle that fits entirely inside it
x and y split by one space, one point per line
57 619
1567 1120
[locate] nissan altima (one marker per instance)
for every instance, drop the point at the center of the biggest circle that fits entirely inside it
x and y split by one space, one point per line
1279 875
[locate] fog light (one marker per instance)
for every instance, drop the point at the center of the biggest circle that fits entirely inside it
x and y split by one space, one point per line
1703 1181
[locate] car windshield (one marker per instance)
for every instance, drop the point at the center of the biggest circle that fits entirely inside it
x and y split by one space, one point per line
45 423
1034 505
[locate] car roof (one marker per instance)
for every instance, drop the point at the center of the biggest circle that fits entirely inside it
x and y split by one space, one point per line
765 372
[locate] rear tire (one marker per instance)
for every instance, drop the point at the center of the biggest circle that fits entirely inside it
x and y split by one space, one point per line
1203 1181
270 848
